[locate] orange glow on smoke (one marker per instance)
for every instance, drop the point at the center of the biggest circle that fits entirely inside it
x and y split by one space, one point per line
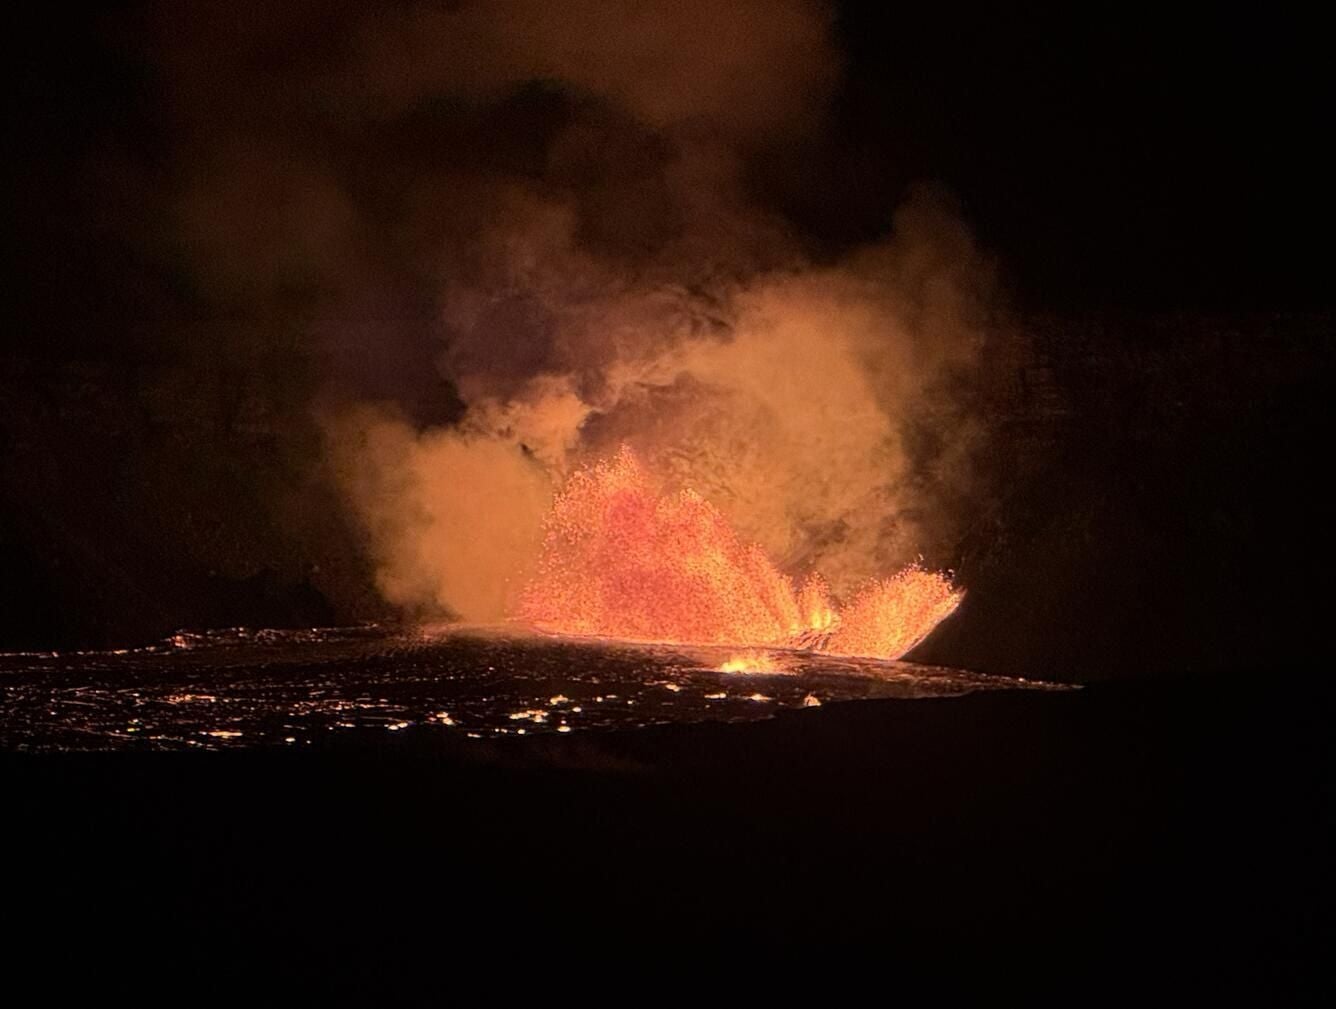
621 561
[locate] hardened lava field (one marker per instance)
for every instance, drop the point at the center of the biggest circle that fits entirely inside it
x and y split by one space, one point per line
294 688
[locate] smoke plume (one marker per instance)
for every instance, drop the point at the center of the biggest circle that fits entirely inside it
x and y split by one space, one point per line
561 249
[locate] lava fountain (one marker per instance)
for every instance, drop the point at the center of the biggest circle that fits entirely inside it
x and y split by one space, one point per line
619 560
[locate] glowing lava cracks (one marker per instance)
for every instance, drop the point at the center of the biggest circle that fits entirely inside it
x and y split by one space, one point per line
621 561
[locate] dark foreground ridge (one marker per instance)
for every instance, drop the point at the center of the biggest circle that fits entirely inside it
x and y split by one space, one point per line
1131 822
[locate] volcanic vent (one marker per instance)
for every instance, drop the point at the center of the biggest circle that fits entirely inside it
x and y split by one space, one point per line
620 560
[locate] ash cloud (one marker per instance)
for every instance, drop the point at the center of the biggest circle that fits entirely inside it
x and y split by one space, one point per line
515 235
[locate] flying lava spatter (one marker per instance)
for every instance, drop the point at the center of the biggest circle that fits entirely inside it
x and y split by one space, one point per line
621 561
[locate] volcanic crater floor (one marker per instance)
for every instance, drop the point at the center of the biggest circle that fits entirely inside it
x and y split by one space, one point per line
242 688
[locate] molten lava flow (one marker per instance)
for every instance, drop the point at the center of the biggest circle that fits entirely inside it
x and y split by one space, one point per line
621 561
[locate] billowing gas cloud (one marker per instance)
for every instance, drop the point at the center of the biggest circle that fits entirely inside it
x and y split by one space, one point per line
559 250
780 396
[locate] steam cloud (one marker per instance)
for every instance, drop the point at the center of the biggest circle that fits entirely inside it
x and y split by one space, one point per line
596 272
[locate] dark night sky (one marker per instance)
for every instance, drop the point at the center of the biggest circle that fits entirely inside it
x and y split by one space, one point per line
1108 159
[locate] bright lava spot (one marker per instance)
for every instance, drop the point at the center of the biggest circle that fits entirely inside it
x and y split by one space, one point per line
620 560
753 662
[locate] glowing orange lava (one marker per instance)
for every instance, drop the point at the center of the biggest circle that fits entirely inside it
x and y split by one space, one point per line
621 561
753 663
891 616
